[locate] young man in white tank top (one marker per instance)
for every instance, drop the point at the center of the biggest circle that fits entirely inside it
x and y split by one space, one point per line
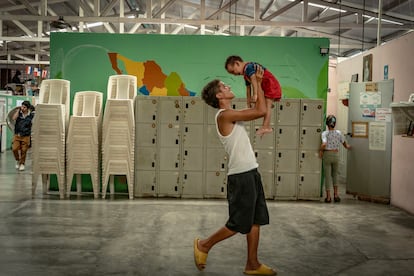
247 204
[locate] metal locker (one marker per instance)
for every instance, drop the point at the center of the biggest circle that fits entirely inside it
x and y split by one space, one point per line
239 103
311 112
264 142
169 184
310 137
145 184
309 186
286 161
146 108
211 114
267 182
287 112
146 158
193 135
216 185
170 109
169 159
170 135
286 186
287 137
193 110
216 160
192 184
146 135
309 161
265 159
192 159
212 140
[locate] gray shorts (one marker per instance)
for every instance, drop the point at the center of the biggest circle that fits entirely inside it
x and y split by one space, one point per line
247 203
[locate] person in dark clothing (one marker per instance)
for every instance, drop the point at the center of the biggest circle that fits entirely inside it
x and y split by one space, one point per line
16 77
22 133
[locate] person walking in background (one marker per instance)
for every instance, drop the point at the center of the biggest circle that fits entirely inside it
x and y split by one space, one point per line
22 132
245 195
329 152
270 86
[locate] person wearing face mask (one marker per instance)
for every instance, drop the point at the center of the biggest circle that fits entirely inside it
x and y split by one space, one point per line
329 152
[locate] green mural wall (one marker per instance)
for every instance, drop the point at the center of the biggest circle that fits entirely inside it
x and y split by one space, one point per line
183 64
189 60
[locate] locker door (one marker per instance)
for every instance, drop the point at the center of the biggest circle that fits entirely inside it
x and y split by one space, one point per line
264 142
211 113
145 184
311 112
169 159
287 112
309 186
215 186
287 137
170 135
310 137
212 138
146 158
265 159
193 110
267 182
216 160
309 161
170 110
146 109
286 186
192 185
286 161
146 135
169 184
192 159
193 135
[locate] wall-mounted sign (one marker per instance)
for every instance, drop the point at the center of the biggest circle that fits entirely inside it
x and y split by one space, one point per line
360 129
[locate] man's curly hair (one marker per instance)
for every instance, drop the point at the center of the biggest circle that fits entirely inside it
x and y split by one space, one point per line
209 93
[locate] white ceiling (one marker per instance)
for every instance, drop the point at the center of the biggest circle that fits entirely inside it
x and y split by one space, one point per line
351 25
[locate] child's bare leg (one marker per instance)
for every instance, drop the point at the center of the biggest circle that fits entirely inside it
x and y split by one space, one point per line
266 119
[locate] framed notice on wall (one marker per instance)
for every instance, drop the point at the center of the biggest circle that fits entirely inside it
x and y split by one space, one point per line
360 129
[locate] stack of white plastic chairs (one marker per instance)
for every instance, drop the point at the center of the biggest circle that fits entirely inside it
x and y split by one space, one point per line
118 132
49 132
83 140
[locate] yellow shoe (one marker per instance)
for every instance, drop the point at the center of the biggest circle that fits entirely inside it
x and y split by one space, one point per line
200 258
262 270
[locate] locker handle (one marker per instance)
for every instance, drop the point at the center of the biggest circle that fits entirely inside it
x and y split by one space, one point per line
280 154
177 118
176 141
153 164
303 155
280 131
153 140
305 107
186 129
304 131
278 178
176 164
256 154
185 176
186 105
301 178
222 189
152 188
185 152
281 107
222 165
153 117
234 106
175 188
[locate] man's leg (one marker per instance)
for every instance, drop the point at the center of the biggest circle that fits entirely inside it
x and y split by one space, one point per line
222 234
16 147
252 247
24 147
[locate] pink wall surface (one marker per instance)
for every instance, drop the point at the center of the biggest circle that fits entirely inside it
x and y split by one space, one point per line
398 55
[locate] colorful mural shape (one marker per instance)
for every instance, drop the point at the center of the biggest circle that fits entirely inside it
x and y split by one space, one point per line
150 78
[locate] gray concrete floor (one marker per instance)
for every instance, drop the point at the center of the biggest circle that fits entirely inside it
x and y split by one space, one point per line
82 236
